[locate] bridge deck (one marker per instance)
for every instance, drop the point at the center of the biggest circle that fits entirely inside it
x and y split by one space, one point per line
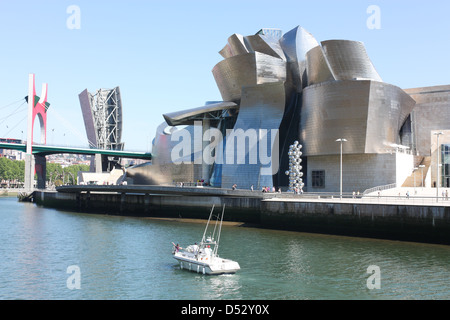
46 150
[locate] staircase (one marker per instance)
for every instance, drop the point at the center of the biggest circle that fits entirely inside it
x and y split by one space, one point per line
417 174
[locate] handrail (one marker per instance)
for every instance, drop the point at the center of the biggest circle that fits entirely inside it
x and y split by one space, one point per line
380 188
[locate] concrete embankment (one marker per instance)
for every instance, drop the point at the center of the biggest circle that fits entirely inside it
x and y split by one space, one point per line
421 223
194 203
353 217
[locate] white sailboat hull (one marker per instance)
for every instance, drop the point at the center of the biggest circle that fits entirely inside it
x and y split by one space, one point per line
206 265
203 258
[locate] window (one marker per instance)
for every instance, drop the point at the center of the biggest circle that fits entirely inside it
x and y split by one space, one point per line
318 179
444 180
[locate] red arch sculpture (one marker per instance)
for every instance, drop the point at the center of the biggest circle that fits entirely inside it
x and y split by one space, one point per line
37 107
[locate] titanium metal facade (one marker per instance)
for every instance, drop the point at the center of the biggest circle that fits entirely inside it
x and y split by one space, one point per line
296 44
249 69
348 60
370 120
303 90
261 108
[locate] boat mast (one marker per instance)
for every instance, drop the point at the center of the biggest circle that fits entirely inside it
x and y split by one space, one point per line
207 224
220 230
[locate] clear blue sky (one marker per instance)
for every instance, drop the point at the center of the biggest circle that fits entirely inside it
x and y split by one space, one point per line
161 53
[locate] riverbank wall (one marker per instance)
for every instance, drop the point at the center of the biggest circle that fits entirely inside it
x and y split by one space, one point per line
428 223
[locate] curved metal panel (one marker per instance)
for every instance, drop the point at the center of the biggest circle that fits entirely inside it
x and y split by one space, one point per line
234 47
296 44
187 117
269 69
389 106
173 167
148 174
226 52
247 70
368 114
163 145
265 44
317 68
237 45
232 73
348 60
333 110
262 108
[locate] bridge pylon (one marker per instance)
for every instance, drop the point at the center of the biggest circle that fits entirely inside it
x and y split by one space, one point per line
37 107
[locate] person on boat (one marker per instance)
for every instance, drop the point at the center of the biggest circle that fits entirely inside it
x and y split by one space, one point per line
177 247
195 248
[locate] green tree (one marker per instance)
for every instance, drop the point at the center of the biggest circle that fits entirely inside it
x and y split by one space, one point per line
58 175
15 169
12 169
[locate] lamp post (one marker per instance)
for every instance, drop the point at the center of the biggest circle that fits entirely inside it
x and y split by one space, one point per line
421 167
341 140
414 176
437 134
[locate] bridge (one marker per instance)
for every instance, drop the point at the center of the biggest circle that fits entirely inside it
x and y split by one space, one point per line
44 150
35 154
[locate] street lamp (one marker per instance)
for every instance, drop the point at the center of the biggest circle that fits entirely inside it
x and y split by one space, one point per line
341 140
414 175
421 167
437 134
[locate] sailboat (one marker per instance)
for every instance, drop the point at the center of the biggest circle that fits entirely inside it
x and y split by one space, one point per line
203 257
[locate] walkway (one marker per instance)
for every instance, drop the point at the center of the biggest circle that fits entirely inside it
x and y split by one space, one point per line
417 196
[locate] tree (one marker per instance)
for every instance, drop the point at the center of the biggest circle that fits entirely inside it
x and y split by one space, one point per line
15 170
12 169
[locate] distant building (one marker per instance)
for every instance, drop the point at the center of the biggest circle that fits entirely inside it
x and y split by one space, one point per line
12 154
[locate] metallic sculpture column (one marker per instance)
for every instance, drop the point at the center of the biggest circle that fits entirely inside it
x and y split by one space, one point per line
295 174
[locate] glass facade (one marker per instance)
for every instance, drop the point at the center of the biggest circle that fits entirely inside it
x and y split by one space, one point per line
445 169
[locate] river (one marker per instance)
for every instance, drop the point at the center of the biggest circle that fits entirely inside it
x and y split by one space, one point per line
53 254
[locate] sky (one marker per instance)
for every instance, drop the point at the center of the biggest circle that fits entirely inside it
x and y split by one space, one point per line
161 53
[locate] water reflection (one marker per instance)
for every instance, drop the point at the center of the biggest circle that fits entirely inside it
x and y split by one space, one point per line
225 286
